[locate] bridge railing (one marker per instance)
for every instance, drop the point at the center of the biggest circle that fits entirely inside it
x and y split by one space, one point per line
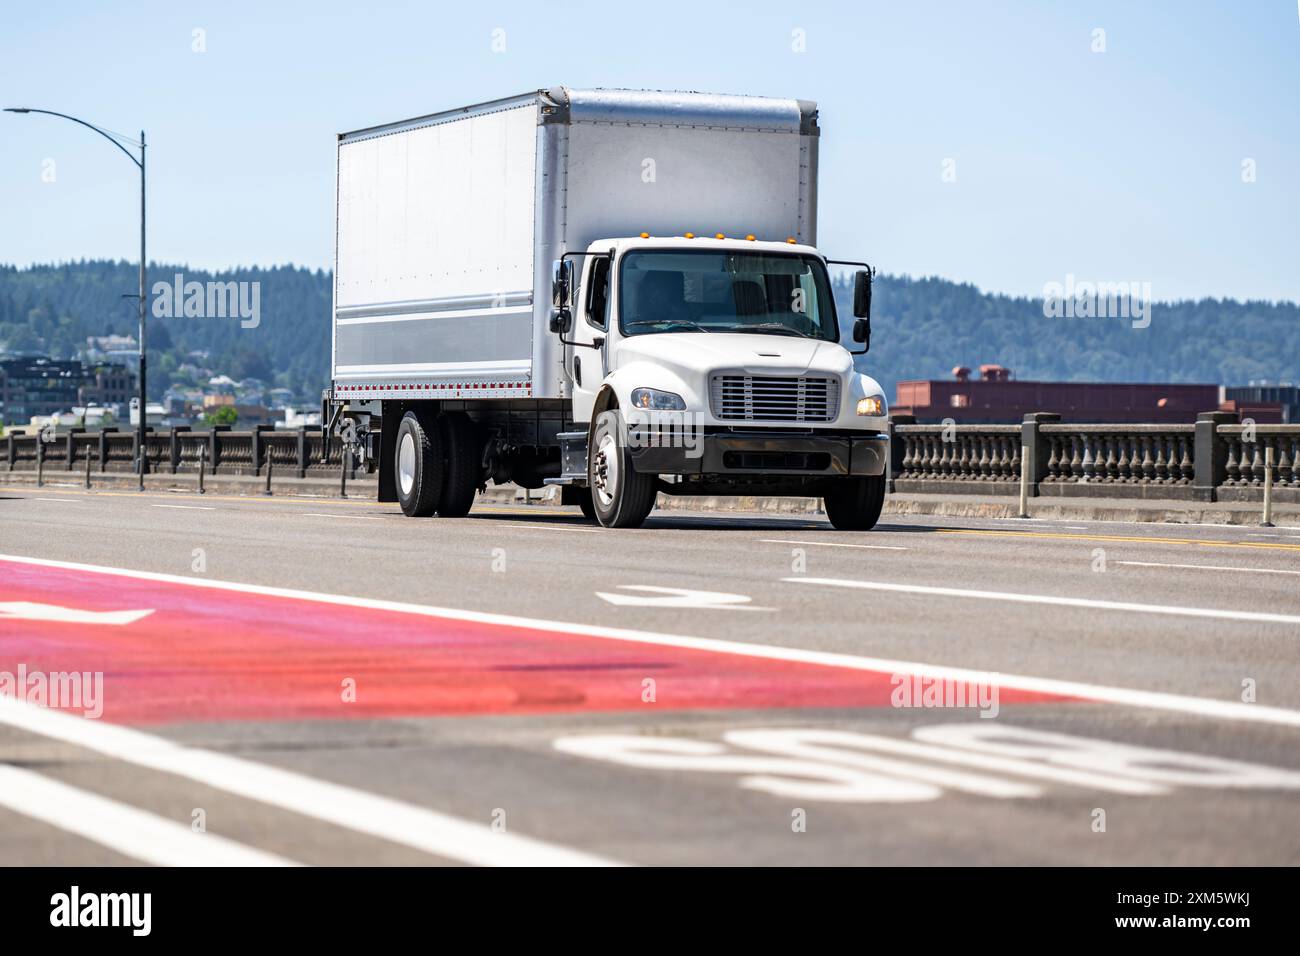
1219 458
294 453
1216 459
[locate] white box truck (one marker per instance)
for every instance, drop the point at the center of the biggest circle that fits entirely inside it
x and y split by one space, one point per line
613 291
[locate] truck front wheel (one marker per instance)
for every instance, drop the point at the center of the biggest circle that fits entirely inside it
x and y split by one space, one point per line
417 460
620 496
855 503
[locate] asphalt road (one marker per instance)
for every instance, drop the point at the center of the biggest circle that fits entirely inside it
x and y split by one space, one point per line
329 682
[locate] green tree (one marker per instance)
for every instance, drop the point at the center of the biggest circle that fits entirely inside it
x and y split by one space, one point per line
225 415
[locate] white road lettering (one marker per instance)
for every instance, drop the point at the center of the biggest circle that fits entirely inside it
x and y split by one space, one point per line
833 765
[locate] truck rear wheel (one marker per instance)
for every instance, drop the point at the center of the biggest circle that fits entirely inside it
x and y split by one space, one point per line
855 503
620 496
463 456
585 503
417 460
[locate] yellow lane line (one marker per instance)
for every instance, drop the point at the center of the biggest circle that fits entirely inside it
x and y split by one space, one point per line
1137 539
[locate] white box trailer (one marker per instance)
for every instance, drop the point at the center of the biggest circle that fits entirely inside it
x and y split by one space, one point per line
450 309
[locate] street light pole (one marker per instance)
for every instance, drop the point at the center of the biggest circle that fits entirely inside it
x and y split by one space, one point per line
143 464
142 459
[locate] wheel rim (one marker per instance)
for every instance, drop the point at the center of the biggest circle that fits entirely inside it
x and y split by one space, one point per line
406 463
605 470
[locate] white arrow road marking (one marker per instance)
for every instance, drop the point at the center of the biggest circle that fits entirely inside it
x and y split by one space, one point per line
680 597
27 611
131 832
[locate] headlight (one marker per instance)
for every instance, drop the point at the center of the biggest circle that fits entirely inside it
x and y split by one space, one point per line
652 398
873 405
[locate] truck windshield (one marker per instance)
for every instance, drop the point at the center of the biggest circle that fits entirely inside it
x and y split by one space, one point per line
760 293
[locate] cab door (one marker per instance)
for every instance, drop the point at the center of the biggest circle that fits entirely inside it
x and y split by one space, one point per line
586 356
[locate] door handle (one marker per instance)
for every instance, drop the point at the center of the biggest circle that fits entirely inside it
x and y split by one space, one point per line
577 370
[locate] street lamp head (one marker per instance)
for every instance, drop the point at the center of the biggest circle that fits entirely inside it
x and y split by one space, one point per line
17 109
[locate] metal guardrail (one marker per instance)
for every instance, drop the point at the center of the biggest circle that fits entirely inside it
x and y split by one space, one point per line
174 451
1218 458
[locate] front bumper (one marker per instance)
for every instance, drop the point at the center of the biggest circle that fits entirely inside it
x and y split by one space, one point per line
759 453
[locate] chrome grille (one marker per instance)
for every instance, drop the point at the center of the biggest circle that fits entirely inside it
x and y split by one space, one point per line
774 398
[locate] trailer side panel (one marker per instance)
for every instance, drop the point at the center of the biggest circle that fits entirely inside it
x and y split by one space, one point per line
434 280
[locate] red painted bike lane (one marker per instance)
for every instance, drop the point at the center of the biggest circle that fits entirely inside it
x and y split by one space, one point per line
208 654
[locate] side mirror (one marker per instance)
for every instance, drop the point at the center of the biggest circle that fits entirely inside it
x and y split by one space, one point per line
562 283
861 297
561 321
862 330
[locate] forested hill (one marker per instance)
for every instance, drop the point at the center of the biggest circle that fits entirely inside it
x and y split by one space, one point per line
53 309
922 328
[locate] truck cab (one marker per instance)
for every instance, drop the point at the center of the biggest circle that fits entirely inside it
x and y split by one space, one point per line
714 365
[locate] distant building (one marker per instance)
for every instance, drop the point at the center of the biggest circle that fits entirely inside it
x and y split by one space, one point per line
1286 396
251 415
113 385
155 415
996 396
114 346
40 386
296 419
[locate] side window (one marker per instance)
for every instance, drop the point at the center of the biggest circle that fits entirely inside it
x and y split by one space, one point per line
598 294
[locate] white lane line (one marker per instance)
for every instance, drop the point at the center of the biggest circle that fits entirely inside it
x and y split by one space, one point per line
128 830
321 514
357 810
1205 567
59 500
1014 598
187 507
836 544
1129 697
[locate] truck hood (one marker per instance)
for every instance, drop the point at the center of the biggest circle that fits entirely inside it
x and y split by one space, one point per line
692 353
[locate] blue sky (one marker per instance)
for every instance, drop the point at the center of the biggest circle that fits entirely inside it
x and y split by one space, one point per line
1122 165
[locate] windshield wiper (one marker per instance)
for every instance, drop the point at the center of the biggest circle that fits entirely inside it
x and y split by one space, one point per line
775 330
669 324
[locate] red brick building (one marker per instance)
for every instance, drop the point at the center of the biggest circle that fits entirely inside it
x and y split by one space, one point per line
995 396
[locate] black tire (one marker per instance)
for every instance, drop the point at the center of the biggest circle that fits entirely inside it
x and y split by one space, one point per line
418 478
855 503
461 457
585 503
620 497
